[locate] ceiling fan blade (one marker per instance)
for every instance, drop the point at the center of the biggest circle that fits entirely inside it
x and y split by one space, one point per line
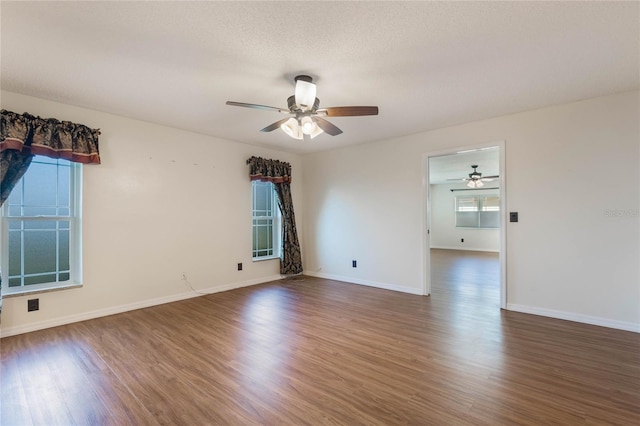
271 127
256 106
327 127
350 111
459 179
491 177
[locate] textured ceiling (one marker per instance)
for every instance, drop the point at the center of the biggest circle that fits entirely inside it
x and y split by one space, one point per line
425 64
452 168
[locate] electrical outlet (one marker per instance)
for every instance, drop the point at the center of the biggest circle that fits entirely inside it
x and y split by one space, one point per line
354 264
462 240
33 305
513 216
240 266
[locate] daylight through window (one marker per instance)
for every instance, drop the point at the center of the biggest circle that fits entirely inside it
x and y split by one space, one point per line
266 221
40 226
482 211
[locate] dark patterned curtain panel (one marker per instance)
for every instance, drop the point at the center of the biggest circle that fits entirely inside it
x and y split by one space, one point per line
279 173
12 166
22 136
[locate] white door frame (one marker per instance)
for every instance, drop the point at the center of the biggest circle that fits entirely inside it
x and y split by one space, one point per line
426 217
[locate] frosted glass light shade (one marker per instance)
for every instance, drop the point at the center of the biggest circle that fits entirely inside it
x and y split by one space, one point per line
305 94
307 125
291 128
316 131
310 127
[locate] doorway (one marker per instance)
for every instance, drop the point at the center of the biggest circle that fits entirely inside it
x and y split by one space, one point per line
465 214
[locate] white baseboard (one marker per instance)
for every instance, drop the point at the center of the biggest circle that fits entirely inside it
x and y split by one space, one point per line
11 331
569 316
465 249
368 283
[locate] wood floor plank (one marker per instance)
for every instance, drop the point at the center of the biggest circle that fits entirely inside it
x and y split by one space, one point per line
14 406
321 352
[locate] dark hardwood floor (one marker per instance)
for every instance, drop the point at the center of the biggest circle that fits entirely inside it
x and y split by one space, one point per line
315 351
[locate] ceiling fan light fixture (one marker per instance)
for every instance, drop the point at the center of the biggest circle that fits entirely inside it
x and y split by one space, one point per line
306 118
316 131
310 127
291 128
475 183
307 125
305 93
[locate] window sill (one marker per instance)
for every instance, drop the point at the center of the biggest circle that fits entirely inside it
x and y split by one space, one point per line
260 259
21 291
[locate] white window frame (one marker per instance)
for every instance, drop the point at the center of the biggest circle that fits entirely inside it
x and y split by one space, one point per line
75 237
276 223
478 209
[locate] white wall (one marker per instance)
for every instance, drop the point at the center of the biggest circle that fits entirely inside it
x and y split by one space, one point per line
444 233
163 202
567 168
167 201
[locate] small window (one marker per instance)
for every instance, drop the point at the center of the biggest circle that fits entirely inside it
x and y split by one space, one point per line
41 234
266 221
477 211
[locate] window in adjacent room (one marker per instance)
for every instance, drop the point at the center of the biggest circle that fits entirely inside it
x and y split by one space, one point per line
41 227
482 211
266 221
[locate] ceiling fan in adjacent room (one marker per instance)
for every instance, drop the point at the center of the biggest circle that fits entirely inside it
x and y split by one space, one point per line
475 179
305 117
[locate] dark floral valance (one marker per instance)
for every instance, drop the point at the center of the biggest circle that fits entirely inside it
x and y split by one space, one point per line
269 170
31 135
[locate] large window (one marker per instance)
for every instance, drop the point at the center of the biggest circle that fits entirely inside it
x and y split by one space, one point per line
266 221
481 211
41 229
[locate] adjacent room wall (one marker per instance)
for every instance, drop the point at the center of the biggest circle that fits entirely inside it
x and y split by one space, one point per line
444 233
163 202
571 172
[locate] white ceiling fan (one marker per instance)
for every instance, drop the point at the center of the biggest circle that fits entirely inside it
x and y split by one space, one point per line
305 117
475 179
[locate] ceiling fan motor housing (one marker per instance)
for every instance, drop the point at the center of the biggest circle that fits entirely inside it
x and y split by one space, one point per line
291 104
475 174
304 78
